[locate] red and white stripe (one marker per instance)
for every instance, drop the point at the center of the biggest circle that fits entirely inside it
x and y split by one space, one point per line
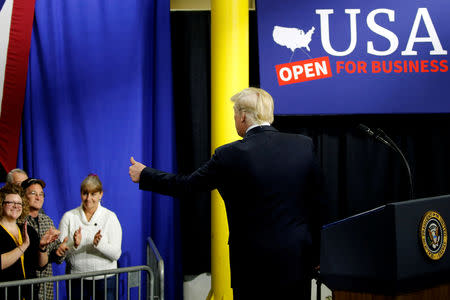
16 23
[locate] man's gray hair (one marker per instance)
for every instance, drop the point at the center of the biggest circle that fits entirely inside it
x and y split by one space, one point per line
9 176
256 103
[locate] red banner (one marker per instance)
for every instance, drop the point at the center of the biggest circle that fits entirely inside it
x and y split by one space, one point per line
304 70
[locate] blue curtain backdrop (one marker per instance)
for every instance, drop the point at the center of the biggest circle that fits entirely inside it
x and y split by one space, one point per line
99 91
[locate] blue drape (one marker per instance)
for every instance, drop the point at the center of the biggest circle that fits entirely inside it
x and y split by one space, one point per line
99 90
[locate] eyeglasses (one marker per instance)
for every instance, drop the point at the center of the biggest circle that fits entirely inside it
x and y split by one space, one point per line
36 194
11 203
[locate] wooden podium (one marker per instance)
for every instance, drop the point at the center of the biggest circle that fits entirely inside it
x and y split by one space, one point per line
440 292
396 251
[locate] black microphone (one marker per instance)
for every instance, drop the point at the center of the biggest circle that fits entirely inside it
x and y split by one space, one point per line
385 139
405 161
376 135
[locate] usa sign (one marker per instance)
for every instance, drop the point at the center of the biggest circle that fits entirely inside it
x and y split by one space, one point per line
355 57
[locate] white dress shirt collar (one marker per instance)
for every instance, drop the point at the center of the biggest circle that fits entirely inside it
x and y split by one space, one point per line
256 125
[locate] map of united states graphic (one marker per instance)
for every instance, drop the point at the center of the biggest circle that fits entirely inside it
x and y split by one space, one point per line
292 38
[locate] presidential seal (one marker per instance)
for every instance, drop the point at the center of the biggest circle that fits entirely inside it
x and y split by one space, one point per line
433 234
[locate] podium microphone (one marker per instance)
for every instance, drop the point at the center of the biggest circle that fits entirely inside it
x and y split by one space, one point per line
385 136
376 135
385 139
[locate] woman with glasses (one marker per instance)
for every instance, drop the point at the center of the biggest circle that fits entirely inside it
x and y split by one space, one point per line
22 253
95 241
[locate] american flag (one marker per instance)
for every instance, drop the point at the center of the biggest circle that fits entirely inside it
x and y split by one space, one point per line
16 22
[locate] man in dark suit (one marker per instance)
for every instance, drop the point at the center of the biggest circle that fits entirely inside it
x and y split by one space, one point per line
270 183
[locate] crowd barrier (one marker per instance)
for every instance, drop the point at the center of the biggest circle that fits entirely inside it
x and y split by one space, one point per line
136 285
133 280
156 263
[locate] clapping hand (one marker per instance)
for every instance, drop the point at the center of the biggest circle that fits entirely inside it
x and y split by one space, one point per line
25 238
97 238
77 237
49 237
61 251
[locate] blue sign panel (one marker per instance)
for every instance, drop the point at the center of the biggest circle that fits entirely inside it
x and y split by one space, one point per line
355 57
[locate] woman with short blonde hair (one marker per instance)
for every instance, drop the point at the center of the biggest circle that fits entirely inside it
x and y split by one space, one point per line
95 241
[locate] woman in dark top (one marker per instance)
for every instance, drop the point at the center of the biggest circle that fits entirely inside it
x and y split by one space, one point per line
22 253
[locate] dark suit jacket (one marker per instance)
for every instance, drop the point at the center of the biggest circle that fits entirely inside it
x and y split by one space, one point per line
270 183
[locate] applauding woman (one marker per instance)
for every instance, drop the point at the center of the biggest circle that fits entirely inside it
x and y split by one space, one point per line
95 240
22 253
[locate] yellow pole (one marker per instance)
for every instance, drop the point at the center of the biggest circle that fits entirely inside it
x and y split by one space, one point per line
229 75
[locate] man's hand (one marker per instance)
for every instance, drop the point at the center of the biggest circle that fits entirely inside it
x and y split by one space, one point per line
61 251
135 170
49 237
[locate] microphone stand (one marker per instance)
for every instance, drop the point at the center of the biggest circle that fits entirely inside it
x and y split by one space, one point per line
379 132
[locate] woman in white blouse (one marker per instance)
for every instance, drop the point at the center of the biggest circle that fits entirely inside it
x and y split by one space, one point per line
95 240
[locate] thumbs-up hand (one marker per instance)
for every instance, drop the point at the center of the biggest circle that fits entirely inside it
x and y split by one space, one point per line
135 170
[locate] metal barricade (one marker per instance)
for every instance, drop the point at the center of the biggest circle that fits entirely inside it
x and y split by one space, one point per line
133 280
155 262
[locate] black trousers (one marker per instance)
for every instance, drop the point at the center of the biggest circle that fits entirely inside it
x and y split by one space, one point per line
89 287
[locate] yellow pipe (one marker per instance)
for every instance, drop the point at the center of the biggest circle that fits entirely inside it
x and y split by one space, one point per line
229 75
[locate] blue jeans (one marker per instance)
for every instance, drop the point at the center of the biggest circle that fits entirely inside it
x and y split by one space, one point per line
88 289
